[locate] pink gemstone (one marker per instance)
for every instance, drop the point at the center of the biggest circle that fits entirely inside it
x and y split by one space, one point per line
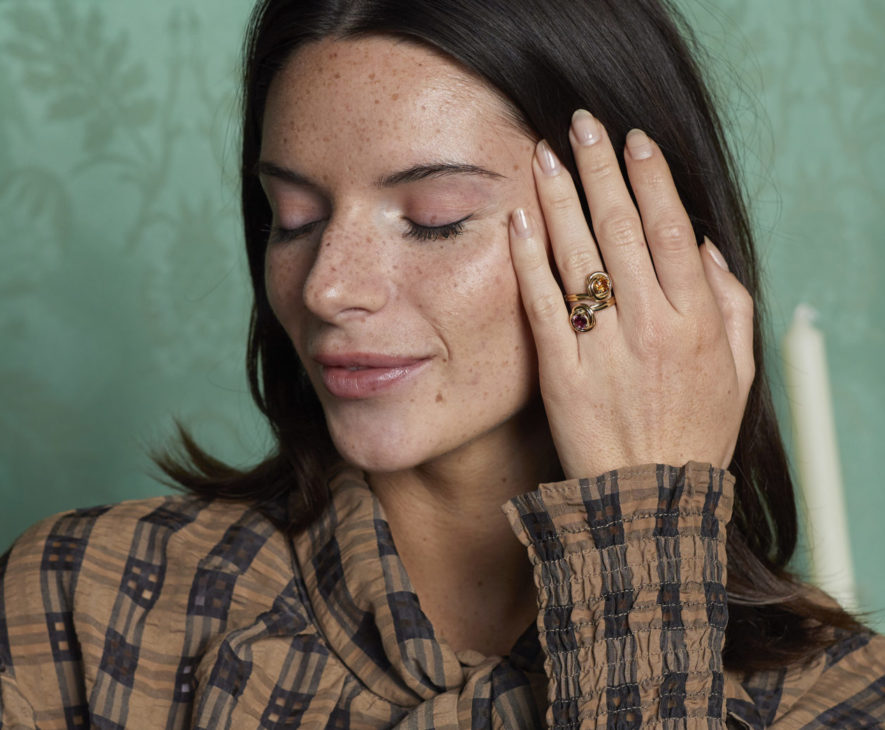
581 321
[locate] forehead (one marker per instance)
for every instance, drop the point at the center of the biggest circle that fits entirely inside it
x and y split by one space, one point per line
395 98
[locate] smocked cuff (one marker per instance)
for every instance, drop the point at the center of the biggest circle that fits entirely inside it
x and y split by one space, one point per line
630 569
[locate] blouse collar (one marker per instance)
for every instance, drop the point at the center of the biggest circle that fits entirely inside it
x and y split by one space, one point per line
367 610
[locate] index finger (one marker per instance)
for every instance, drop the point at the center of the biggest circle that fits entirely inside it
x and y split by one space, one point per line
541 295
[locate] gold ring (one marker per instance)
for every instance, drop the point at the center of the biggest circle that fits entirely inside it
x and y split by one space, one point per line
582 318
600 295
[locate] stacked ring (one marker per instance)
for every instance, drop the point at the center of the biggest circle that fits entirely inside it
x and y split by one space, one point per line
600 295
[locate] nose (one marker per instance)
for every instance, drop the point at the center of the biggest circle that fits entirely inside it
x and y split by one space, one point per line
347 277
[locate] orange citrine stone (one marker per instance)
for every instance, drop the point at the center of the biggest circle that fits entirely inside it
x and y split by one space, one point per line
600 286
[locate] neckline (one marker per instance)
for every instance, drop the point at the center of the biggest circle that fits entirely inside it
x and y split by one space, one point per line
367 610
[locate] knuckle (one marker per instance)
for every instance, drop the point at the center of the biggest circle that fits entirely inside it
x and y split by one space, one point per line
599 166
650 340
746 302
578 262
560 204
620 230
655 179
740 305
533 270
671 234
545 306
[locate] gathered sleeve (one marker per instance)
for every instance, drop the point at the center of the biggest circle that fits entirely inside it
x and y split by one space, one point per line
630 569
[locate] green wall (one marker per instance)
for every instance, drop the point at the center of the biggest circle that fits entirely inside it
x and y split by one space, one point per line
123 286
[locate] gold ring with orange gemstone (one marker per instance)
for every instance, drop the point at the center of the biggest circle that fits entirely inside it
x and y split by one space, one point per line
600 295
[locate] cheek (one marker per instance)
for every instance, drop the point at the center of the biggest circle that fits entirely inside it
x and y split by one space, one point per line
284 276
506 357
477 306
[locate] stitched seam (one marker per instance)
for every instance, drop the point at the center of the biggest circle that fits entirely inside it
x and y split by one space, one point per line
580 624
626 520
579 577
633 566
694 714
634 632
630 662
652 470
681 604
688 586
634 542
648 703
704 671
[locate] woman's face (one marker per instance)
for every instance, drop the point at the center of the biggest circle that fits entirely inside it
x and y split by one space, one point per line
392 175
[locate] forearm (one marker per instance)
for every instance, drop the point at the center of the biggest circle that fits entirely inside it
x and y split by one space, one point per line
630 568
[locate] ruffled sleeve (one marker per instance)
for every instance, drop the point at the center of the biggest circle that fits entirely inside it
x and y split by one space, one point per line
630 569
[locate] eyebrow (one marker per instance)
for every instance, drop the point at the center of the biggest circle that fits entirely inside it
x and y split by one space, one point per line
412 174
434 170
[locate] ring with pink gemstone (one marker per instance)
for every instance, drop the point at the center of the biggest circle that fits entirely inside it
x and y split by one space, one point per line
600 295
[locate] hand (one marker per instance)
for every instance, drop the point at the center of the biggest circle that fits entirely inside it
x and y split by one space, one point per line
664 376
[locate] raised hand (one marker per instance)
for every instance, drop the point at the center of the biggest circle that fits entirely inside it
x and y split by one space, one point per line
665 373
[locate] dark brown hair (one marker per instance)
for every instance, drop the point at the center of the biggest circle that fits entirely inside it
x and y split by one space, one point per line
633 65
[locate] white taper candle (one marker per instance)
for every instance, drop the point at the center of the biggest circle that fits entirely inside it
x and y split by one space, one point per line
817 456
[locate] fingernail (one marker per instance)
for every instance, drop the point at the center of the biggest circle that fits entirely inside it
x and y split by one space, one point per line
521 225
715 254
585 127
638 144
546 159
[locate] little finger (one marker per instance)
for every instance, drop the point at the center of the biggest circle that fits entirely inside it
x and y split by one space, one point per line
736 307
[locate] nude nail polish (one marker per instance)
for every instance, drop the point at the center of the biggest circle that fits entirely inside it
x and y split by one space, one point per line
546 159
585 127
638 144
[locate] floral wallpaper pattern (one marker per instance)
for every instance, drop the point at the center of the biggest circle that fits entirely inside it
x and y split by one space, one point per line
124 291
123 286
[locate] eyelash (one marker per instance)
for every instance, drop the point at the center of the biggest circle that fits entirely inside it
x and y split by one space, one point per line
278 234
415 230
436 233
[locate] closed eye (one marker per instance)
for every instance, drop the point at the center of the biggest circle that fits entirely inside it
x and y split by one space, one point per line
278 234
436 233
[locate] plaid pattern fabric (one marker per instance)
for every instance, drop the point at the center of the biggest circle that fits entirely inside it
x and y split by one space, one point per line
180 613
632 589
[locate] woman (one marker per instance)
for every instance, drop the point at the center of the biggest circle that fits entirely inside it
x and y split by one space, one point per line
411 231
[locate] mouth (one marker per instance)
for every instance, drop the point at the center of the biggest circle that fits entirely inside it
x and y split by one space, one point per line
363 375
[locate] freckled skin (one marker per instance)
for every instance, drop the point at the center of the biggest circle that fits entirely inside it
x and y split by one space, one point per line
344 114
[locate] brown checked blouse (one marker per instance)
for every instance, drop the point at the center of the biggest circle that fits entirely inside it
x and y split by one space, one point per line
180 613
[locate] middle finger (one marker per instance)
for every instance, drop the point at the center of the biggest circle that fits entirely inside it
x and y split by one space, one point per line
616 221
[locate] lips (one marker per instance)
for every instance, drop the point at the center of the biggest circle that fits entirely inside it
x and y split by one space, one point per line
363 375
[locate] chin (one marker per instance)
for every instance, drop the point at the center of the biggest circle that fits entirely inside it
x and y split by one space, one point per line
379 461
377 453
